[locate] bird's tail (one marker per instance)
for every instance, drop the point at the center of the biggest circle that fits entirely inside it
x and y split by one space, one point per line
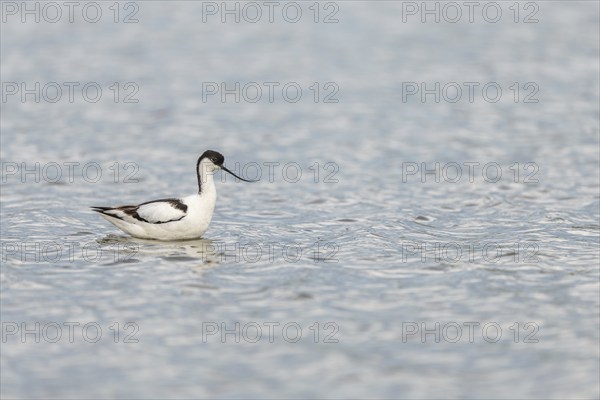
100 209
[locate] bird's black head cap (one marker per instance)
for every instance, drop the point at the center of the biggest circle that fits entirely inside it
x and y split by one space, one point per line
214 156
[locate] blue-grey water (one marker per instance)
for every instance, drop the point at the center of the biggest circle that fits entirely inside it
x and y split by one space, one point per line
363 264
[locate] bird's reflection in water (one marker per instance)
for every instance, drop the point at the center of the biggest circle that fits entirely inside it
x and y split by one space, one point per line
128 249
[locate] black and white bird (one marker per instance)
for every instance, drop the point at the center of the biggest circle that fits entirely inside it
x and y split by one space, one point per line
173 219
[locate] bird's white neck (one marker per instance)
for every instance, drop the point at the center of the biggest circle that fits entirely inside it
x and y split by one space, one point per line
205 170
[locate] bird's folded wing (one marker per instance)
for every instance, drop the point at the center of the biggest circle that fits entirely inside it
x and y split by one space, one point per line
160 211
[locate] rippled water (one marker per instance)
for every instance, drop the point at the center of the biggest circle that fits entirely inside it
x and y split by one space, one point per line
399 287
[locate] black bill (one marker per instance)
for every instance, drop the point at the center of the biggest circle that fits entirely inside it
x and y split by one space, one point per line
241 179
